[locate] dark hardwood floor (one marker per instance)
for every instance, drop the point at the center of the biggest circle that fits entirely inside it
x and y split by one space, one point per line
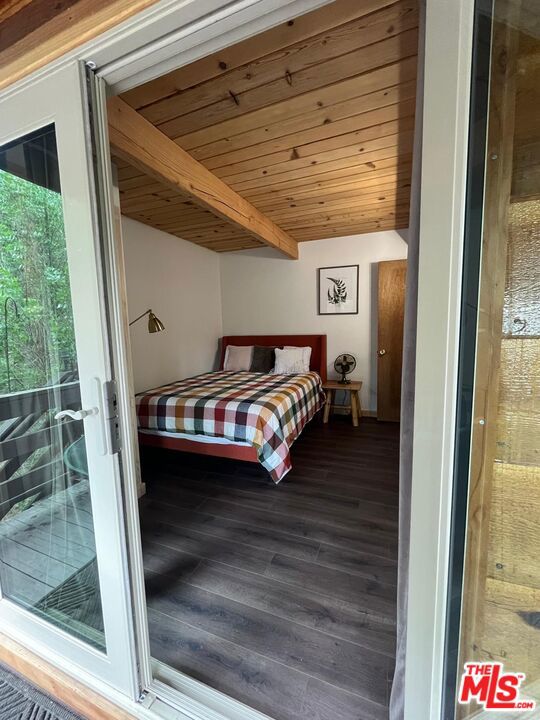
282 597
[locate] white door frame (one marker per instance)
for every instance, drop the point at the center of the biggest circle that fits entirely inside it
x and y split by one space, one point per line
125 56
447 87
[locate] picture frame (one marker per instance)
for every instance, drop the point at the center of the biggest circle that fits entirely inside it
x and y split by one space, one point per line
337 290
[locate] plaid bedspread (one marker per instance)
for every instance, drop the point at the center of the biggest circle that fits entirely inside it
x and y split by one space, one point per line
266 411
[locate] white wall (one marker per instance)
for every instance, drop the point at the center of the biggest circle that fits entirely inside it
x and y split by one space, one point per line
200 295
264 293
181 283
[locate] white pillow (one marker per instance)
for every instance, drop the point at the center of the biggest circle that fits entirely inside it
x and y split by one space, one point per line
238 357
289 361
306 355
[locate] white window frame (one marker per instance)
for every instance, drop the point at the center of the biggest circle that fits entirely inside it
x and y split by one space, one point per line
142 48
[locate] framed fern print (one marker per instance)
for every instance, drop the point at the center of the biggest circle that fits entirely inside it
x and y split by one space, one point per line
338 290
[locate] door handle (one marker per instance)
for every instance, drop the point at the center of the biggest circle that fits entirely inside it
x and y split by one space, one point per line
382 352
75 414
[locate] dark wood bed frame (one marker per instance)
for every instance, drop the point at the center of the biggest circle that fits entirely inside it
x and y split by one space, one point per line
239 452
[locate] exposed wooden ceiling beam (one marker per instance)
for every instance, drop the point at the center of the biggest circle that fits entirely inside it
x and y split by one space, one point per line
140 143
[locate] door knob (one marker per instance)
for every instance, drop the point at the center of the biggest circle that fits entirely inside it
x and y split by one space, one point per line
382 352
75 414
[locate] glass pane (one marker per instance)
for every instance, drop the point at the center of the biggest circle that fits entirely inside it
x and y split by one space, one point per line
47 548
500 617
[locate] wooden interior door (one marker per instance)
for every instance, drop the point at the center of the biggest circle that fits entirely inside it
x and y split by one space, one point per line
391 305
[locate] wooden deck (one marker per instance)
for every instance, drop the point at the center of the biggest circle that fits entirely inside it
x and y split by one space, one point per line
47 562
47 543
282 597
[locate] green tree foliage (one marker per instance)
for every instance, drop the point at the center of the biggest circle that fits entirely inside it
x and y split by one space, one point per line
34 273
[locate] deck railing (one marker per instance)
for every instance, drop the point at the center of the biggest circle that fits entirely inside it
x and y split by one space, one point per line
32 443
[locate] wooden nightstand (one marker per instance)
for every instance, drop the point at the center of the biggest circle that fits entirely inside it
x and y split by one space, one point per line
353 388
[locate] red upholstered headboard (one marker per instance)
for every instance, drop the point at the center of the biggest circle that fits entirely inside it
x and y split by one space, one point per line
316 342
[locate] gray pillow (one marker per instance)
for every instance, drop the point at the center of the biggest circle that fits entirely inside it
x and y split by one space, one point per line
263 359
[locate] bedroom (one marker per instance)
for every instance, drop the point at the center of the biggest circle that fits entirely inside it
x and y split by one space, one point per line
262 582
146 581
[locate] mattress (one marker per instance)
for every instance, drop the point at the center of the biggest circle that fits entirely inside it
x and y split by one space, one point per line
266 412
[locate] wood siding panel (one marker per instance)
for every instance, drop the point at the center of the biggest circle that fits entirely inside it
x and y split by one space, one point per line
44 40
502 573
489 330
519 402
514 526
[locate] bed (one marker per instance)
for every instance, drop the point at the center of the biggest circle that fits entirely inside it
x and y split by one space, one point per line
247 416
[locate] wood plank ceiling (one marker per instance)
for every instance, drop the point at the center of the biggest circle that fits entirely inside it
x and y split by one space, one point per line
311 121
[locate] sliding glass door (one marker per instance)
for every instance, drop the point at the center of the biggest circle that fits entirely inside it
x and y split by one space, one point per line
493 640
63 571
